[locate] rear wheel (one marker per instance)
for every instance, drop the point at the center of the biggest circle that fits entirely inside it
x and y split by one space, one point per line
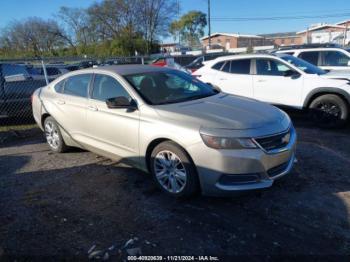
173 170
53 136
329 111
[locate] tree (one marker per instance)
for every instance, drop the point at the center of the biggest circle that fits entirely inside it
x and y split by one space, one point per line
33 35
107 27
190 26
75 22
156 16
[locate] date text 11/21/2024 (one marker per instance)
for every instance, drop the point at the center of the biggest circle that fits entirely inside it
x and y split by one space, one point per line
173 258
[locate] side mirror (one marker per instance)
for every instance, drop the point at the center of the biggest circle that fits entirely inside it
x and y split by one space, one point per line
349 63
121 102
288 73
291 73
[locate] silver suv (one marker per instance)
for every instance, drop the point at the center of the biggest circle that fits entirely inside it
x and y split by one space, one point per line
189 136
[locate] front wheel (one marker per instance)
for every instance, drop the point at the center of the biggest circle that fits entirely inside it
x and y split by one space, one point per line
329 111
173 170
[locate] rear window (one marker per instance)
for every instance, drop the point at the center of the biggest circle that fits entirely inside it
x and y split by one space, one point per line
218 66
10 70
240 67
77 85
59 86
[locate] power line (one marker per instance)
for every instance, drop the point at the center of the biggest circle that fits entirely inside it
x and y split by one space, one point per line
245 19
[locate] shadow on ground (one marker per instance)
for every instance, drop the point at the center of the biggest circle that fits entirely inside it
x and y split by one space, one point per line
61 205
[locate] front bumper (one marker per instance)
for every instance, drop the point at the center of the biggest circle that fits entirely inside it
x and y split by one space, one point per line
225 172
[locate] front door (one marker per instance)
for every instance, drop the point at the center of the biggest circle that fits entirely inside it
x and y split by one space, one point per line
273 85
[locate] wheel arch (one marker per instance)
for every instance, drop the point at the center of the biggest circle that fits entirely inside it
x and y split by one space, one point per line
43 117
326 91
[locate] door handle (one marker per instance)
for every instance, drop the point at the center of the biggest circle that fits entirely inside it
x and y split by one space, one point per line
261 80
60 102
222 78
92 108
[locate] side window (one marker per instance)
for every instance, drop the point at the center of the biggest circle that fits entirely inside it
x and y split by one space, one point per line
226 67
311 57
334 58
59 86
106 87
240 67
218 66
270 67
77 85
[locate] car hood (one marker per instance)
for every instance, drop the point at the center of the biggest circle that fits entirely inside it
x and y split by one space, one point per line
223 111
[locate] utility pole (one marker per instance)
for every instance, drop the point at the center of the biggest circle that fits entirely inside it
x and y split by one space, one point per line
178 17
209 29
345 34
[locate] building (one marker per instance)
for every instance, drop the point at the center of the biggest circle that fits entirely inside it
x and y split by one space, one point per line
345 23
284 39
228 41
322 33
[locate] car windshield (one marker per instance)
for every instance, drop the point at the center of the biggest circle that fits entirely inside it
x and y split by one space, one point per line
303 65
167 87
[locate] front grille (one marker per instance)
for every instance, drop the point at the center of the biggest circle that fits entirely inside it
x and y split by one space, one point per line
275 171
275 142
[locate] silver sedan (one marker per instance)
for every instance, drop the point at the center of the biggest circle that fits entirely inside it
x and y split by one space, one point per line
188 135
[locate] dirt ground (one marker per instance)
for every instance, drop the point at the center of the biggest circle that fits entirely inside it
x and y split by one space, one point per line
60 205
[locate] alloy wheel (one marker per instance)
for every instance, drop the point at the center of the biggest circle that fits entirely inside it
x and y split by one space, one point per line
170 172
52 135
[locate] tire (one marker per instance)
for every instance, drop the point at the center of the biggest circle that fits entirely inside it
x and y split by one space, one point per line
53 136
173 170
329 111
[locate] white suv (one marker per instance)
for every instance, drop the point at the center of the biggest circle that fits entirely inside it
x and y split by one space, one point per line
281 80
326 58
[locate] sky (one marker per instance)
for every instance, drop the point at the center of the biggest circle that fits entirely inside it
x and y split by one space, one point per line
11 10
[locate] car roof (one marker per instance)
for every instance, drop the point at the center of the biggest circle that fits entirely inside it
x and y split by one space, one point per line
309 49
130 69
230 57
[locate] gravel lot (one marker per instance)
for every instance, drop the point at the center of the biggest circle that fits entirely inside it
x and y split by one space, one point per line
63 204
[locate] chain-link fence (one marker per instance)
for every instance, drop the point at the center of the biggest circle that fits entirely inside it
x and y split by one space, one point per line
20 78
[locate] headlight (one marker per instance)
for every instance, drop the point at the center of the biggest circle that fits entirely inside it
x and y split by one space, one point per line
228 142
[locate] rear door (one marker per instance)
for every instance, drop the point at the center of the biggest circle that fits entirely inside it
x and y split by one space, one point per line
270 84
235 77
112 130
71 104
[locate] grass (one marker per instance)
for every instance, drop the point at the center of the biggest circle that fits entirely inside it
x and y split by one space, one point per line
17 127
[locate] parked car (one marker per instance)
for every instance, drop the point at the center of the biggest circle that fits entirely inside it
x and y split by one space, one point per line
52 72
327 58
168 62
198 62
189 136
16 88
275 80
